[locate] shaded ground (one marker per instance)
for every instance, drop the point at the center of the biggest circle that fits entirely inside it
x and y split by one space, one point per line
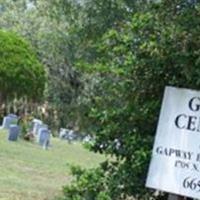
28 172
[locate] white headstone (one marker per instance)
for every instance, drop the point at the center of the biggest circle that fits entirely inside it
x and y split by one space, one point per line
8 120
63 134
36 125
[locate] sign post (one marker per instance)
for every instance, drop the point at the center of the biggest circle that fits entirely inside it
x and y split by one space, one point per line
175 197
175 163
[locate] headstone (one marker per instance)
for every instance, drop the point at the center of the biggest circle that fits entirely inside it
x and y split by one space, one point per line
43 126
37 121
36 128
44 137
8 120
12 115
87 139
78 136
71 136
45 144
63 134
37 124
13 132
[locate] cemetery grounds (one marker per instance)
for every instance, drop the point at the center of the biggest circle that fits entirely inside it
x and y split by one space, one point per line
27 172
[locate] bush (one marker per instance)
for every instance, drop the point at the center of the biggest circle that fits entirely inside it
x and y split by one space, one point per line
87 185
138 59
21 74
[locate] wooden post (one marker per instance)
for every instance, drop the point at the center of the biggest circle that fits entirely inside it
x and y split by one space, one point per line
176 197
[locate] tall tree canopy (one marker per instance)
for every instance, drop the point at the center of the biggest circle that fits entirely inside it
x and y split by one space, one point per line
157 46
109 61
21 74
45 25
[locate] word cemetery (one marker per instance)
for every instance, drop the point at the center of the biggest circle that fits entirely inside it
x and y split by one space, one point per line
190 122
176 151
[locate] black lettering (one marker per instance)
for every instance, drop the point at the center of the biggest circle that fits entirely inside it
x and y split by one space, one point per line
198 157
194 104
159 150
178 163
181 164
198 127
191 123
195 167
190 155
178 121
171 151
178 153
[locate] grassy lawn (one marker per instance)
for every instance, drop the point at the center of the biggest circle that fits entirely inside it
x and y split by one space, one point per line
27 172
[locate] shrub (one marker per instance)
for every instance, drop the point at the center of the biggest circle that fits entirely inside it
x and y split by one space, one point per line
21 74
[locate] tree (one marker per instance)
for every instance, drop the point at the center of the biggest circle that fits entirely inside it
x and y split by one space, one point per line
45 26
21 74
159 46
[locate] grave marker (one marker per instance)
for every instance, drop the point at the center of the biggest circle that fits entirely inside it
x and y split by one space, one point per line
8 120
43 137
37 124
13 132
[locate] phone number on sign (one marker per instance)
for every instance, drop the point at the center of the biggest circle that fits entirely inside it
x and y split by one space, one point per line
192 184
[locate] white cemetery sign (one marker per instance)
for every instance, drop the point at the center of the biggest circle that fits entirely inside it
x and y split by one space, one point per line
175 163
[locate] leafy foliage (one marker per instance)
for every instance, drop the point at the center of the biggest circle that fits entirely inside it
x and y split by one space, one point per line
45 25
88 184
125 53
159 46
21 73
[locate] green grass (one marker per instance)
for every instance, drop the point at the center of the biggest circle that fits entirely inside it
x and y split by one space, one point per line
28 172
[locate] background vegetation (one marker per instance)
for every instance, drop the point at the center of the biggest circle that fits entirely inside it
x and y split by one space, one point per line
21 73
108 63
